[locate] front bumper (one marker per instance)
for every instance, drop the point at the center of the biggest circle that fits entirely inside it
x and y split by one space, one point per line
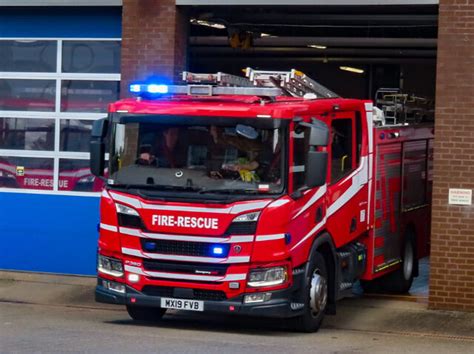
283 303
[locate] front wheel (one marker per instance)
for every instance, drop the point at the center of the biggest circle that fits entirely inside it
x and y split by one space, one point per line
146 314
316 296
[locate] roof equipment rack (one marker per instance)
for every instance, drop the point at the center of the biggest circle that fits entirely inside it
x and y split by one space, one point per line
263 83
256 83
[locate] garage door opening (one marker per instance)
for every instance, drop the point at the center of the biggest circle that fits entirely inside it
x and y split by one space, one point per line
353 50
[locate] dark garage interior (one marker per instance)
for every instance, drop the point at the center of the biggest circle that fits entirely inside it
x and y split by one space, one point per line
387 46
394 46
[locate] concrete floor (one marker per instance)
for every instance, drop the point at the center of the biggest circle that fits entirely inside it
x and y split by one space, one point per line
27 328
57 314
421 283
419 291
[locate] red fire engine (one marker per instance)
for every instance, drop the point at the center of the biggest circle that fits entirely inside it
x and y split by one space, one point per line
267 196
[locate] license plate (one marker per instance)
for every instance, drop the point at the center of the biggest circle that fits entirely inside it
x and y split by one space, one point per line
181 304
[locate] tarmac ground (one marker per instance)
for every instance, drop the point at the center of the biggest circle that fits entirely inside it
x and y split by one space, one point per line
53 313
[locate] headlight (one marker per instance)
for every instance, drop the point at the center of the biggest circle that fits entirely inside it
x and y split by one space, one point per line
123 209
128 217
109 266
114 286
245 224
257 297
250 217
267 277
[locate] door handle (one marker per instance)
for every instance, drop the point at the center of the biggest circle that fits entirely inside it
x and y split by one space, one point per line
353 225
319 214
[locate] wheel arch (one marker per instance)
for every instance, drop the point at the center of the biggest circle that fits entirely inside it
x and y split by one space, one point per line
324 244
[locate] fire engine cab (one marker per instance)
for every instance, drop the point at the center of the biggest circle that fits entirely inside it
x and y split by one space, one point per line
264 196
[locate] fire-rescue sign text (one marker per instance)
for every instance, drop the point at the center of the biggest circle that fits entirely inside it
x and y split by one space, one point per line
185 221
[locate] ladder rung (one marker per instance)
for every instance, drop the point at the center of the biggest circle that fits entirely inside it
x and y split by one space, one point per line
266 78
294 81
219 78
309 85
199 78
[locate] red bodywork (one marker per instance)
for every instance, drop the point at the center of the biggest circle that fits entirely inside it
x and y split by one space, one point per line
365 205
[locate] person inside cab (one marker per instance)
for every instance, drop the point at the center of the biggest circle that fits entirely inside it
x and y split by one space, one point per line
244 165
164 152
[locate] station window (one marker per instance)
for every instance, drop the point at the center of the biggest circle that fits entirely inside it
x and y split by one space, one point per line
87 96
74 135
26 134
27 95
27 172
28 56
47 109
91 57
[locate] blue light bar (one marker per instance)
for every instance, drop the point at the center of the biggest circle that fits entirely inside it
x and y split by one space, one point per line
217 250
135 88
153 89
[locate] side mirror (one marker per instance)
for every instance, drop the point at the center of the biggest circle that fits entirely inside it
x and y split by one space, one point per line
319 135
97 147
317 168
99 128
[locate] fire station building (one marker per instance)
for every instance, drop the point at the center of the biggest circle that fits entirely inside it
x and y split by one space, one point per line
62 62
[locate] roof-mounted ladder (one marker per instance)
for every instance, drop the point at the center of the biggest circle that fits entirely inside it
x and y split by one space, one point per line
294 82
258 83
220 78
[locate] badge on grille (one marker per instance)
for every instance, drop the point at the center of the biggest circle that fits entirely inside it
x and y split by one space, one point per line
237 249
179 174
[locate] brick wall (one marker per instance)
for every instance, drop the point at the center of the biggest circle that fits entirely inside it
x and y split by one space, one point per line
154 40
452 249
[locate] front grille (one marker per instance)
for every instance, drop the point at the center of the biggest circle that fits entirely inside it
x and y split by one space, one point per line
197 249
194 294
162 291
242 228
185 267
212 295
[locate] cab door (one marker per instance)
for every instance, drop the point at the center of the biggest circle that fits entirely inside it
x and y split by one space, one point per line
347 192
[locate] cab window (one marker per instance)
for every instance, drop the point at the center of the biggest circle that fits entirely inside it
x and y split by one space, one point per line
342 148
300 153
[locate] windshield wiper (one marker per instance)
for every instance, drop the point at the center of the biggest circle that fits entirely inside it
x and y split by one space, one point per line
229 191
157 187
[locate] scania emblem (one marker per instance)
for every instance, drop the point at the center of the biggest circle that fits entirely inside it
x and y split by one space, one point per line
179 174
237 249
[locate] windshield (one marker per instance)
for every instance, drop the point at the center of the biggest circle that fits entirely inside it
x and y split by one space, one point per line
231 157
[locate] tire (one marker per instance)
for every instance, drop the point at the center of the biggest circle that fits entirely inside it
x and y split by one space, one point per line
399 281
315 296
145 314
